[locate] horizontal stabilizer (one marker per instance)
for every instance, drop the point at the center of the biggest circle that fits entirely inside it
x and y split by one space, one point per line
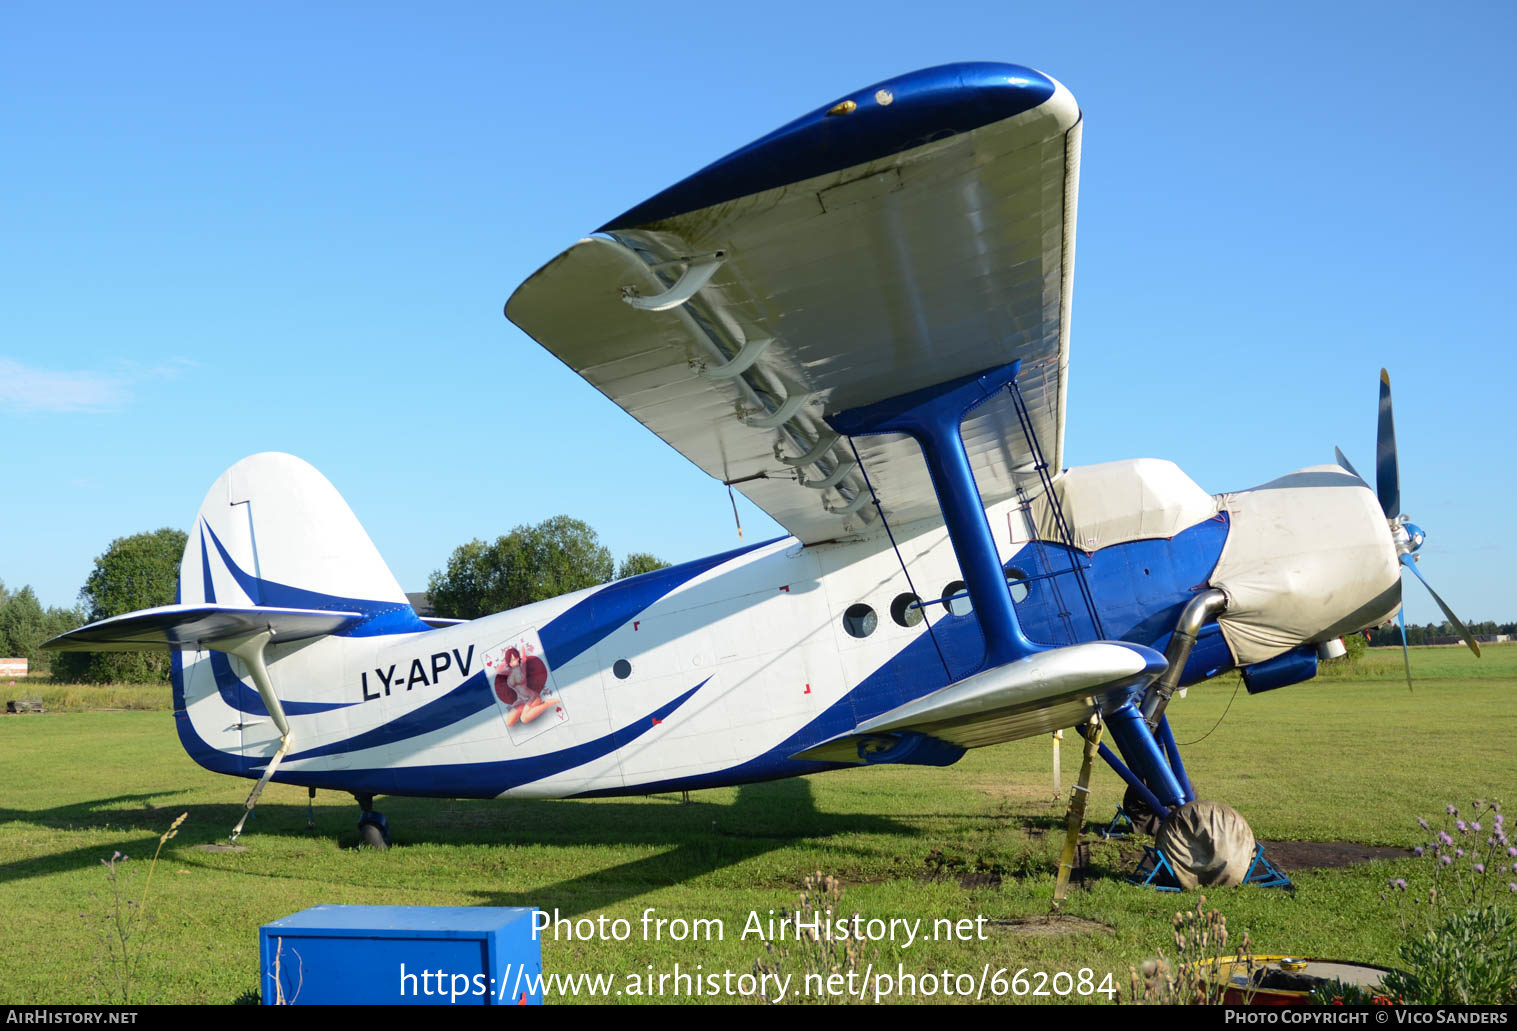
195 627
1038 694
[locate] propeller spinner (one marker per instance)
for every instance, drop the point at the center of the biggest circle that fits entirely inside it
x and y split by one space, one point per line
1408 536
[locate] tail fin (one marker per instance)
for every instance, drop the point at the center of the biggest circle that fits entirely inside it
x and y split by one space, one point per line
272 532
274 548
275 557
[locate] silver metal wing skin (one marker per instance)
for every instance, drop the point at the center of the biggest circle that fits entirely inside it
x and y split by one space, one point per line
733 328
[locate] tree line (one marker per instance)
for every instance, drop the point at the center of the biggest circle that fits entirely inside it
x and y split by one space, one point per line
1387 637
531 563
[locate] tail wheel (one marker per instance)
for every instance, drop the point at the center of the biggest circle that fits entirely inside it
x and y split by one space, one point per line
373 831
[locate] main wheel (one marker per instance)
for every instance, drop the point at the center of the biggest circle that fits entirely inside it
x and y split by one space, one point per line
1207 844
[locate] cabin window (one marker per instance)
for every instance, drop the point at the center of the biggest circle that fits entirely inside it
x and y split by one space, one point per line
906 610
621 669
860 620
956 599
1014 580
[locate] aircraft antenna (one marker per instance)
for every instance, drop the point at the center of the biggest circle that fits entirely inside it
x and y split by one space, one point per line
889 533
735 517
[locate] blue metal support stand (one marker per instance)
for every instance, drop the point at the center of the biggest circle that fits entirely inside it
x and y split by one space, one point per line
1155 872
1121 826
932 417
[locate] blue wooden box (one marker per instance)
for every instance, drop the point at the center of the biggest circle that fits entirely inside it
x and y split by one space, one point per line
407 955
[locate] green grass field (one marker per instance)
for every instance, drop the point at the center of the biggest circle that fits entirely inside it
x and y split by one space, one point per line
1353 758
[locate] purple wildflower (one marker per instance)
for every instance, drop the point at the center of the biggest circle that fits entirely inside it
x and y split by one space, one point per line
1400 883
1418 851
1445 860
1475 826
1443 836
1459 852
1464 828
1453 811
1512 851
1423 824
1480 868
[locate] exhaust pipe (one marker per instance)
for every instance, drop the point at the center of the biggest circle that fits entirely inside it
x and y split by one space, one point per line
1201 609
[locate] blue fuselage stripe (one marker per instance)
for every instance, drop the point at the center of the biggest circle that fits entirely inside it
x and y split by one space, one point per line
484 780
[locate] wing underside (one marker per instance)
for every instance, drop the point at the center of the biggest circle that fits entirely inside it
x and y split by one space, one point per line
733 328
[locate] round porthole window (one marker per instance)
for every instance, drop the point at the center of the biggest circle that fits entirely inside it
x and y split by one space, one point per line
621 669
860 620
906 610
1014 580
956 599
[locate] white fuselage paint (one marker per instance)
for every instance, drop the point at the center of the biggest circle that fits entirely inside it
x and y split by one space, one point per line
761 635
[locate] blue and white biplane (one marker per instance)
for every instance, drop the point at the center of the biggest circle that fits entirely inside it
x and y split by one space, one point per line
861 322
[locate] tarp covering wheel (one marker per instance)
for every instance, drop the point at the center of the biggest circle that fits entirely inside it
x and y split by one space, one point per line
1208 844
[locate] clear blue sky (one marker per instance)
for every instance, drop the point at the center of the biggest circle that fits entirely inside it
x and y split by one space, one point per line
229 229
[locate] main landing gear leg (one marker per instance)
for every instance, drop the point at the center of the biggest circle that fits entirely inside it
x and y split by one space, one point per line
373 829
1202 843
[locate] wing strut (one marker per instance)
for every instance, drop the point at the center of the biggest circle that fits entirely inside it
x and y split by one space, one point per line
250 650
932 417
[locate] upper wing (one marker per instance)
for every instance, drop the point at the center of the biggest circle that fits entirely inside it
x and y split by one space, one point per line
913 232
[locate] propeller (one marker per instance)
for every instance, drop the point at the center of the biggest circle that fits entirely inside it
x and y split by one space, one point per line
1407 535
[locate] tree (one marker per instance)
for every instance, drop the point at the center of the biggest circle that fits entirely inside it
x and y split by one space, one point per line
25 625
529 564
639 562
136 572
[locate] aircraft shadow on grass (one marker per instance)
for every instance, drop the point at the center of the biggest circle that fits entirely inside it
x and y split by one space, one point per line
702 837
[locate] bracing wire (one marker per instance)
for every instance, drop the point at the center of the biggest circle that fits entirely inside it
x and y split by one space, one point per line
1024 419
889 533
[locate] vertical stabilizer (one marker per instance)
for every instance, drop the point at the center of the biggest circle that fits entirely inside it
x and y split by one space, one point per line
273 532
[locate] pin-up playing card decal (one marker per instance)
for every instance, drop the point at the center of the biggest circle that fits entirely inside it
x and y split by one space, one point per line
524 688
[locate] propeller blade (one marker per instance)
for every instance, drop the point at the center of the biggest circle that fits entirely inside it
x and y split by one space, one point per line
1387 478
1406 653
1343 461
1406 560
